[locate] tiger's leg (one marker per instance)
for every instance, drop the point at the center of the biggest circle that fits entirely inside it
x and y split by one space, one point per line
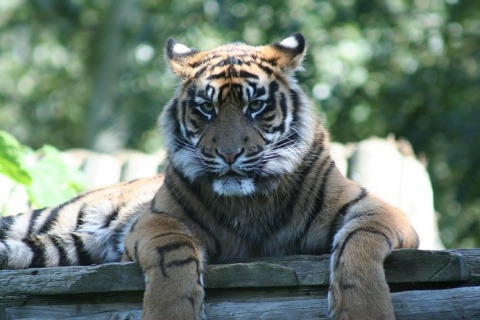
370 231
172 262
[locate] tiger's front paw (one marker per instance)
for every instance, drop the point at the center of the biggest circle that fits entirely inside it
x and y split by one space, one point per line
350 300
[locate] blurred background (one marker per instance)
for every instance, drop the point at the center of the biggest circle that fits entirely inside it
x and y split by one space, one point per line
91 74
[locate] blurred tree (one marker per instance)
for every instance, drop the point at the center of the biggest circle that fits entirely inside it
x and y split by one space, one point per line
91 73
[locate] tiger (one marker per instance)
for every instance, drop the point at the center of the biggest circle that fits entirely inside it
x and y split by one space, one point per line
248 174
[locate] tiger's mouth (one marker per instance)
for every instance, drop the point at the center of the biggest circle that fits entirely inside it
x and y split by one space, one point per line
233 174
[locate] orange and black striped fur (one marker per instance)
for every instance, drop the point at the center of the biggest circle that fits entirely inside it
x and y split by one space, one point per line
248 174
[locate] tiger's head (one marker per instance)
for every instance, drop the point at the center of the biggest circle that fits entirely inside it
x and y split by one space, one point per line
238 120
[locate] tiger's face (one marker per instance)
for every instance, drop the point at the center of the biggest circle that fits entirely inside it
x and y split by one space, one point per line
238 121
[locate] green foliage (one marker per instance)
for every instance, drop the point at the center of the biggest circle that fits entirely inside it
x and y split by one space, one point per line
53 181
11 156
46 178
91 73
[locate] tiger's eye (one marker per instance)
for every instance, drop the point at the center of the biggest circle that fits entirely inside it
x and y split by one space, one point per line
207 107
256 105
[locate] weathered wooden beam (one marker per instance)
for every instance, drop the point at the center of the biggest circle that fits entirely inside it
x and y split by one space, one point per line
458 303
403 266
291 287
426 266
472 257
446 304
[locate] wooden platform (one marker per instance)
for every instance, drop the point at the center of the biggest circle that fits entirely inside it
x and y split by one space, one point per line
424 284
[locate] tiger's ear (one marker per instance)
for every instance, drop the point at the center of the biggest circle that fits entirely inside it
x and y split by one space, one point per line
288 54
181 58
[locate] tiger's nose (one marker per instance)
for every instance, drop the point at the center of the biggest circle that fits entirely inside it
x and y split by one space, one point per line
229 155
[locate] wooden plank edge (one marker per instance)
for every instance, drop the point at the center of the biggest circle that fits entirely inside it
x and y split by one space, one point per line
446 304
404 266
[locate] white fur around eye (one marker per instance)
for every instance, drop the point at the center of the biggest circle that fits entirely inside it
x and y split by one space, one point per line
256 107
289 42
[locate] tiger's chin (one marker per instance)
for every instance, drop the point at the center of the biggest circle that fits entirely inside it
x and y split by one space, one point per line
231 186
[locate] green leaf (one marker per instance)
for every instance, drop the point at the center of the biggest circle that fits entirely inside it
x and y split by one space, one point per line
53 181
12 154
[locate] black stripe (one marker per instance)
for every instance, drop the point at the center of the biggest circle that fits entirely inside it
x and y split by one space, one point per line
294 95
191 187
273 88
337 222
38 250
175 246
173 116
219 75
191 214
221 90
282 218
260 91
110 218
315 152
180 263
351 234
246 74
227 61
135 251
153 207
270 118
252 157
5 225
127 255
319 196
199 72
184 105
250 94
52 217
83 256
172 233
134 224
60 245
33 219
196 125
284 108
260 134
266 69
343 210
163 250
348 286
81 216
118 234
237 90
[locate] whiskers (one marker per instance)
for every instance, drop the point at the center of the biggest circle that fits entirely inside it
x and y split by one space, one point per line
180 144
288 143
285 154
188 159
277 158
